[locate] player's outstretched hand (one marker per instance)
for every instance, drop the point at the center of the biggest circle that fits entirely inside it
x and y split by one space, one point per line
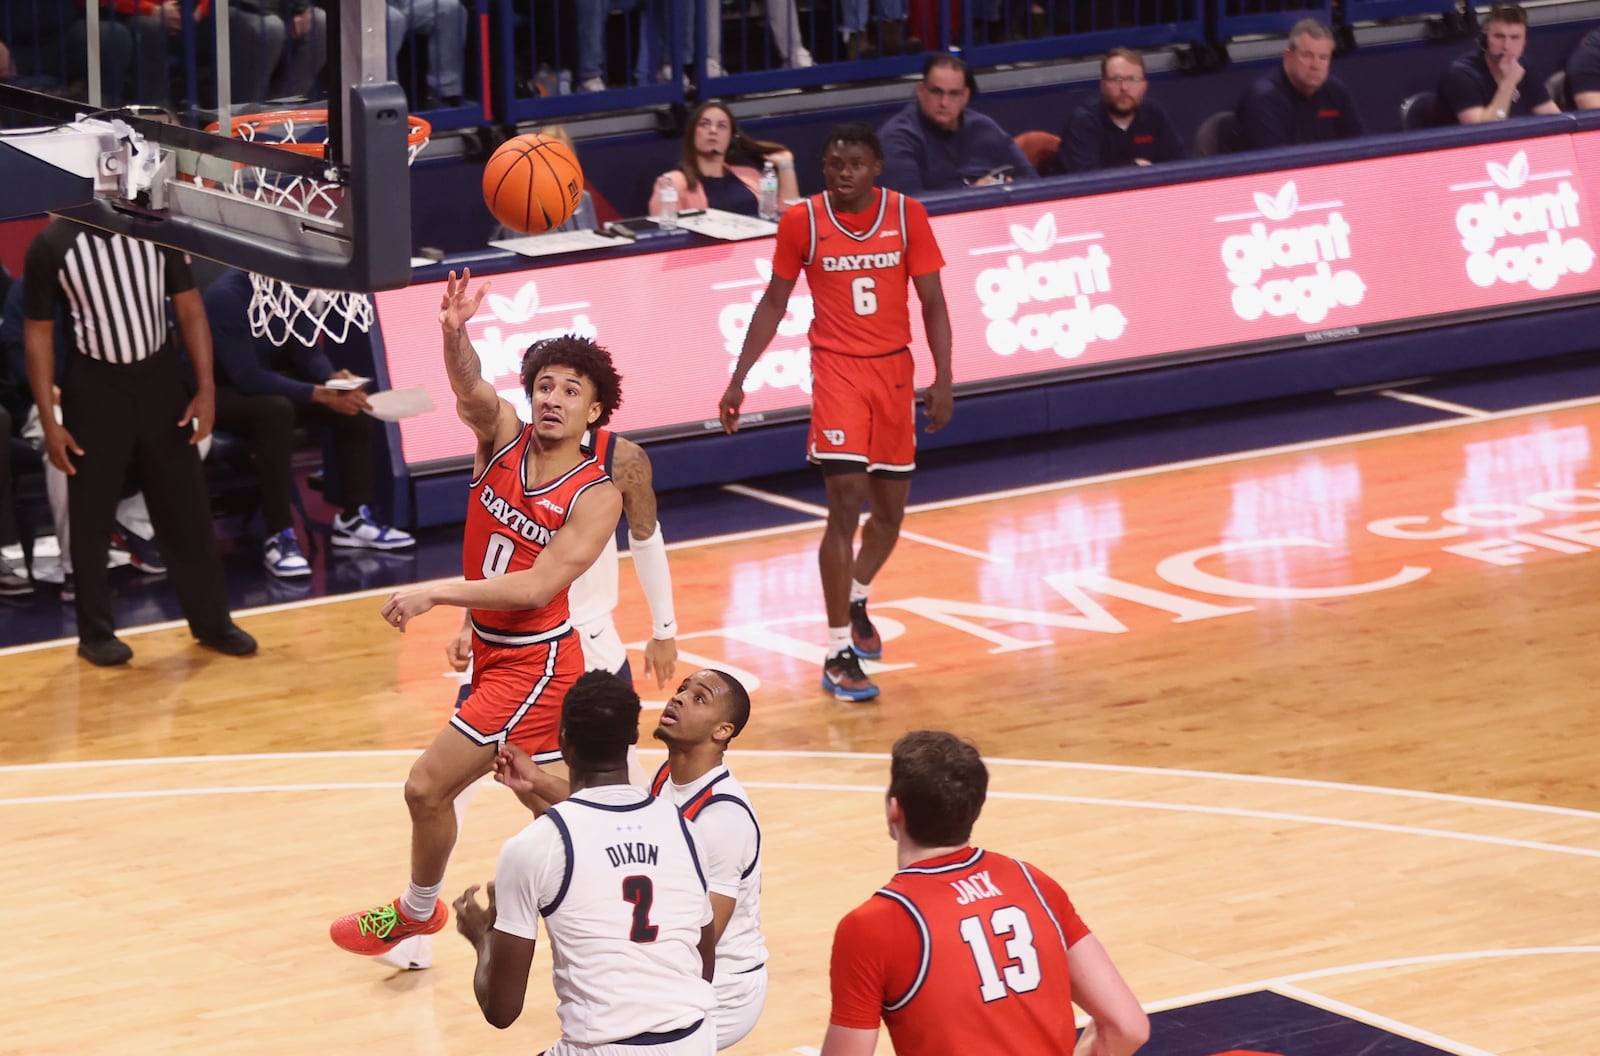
457 306
515 769
661 659
938 403
402 607
473 920
728 410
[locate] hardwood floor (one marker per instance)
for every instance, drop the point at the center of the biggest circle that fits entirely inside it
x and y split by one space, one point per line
1307 720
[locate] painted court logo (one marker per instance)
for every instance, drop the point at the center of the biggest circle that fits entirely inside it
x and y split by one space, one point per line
1043 305
1280 267
1501 229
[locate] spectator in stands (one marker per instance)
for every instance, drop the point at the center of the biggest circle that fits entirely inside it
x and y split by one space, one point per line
721 166
784 21
1489 83
262 390
891 18
127 402
1299 103
444 23
1121 127
1583 72
288 43
937 144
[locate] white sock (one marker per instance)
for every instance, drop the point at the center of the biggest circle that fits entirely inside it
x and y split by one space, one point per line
838 640
418 901
858 590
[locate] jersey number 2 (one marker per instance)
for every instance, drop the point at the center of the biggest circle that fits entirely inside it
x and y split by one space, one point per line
1021 976
641 892
864 292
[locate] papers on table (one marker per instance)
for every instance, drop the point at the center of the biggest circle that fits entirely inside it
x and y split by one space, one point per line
395 404
558 242
731 227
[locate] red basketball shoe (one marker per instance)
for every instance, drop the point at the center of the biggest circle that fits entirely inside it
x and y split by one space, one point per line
379 929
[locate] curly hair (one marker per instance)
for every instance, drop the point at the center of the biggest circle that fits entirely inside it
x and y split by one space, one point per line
582 355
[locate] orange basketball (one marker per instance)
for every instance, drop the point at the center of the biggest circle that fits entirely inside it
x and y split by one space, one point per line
532 183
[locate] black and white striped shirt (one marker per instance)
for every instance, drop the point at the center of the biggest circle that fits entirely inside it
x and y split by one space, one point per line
114 289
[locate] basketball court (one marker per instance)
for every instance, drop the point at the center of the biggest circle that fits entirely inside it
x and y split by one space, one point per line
1296 702
1306 732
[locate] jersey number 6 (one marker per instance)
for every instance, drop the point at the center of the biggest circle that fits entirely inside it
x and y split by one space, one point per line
1019 977
864 292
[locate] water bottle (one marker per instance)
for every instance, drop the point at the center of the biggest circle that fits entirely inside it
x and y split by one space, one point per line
668 197
767 205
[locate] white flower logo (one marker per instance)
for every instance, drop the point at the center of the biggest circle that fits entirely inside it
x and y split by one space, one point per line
1038 238
1279 207
518 309
1510 177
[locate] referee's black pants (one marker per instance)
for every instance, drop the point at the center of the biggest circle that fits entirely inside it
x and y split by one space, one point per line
126 415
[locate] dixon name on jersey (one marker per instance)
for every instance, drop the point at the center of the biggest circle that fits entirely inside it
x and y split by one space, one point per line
633 854
861 261
513 518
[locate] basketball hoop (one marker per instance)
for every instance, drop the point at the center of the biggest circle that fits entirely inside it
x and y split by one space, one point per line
279 310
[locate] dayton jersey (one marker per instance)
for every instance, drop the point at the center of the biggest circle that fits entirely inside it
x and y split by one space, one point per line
960 954
616 875
508 525
731 839
858 266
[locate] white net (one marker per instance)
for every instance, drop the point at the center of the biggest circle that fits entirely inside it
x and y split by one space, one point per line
280 310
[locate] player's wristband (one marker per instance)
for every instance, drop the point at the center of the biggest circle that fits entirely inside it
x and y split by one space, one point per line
650 562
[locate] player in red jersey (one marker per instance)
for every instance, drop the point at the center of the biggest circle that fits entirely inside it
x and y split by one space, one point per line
965 950
860 248
541 509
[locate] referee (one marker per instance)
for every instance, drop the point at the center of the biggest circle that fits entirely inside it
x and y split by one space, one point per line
125 402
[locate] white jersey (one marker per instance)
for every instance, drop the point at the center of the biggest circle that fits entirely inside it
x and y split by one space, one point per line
731 838
616 875
592 599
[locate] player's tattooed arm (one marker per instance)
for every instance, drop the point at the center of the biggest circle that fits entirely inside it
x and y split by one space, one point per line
489 417
631 472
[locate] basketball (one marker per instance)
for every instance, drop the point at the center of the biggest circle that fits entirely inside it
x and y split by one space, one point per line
532 183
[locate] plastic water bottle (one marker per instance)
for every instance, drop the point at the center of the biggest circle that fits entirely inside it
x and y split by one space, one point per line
668 197
767 206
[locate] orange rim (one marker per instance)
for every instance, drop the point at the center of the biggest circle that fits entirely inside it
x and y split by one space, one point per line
418 129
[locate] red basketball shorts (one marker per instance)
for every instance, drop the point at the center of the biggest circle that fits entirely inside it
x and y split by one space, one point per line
863 414
517 692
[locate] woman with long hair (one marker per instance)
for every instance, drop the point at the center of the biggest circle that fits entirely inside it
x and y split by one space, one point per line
721 166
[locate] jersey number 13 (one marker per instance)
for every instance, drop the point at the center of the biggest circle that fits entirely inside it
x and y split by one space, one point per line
1019 976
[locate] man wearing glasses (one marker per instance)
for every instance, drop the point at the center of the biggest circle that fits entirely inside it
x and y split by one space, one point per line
1121 127
937 144
1299 103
